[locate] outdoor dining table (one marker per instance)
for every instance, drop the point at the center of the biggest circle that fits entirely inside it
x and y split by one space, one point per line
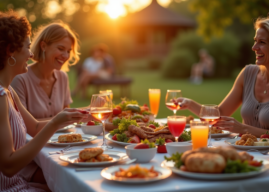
62 176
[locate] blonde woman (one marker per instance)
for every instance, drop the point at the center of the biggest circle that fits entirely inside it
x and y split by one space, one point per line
44 89
15 120
250 90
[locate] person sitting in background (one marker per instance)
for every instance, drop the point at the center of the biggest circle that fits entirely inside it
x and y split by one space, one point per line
15 120
44 89
98 66
109 63
251 89
204 67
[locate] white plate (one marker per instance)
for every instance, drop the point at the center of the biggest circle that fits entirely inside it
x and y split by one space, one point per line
211 176
66 128
225 133
109 138
231 142
86 138
109 174
72 158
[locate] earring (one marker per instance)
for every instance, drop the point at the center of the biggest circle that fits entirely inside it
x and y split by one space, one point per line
13 60
43 56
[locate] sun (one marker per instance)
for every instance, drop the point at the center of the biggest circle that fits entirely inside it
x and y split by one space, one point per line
115 9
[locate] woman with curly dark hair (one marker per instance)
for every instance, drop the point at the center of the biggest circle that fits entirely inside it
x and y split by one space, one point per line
15 120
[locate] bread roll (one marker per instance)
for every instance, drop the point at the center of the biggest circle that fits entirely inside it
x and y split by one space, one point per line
205 163
89 153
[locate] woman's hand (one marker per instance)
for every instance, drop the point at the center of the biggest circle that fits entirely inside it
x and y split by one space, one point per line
68 116
185 102
230 124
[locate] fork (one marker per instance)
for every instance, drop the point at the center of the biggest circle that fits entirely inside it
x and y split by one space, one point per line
255 150
61 151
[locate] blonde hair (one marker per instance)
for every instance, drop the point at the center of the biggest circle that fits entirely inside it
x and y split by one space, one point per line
52 33
262 23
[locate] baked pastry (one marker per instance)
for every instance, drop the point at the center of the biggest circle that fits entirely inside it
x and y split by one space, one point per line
205 163
69 138
249 142
104 157
88 153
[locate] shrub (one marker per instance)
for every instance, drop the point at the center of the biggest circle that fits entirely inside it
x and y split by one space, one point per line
178 64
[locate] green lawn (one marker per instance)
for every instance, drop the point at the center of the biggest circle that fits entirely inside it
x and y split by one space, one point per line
209 92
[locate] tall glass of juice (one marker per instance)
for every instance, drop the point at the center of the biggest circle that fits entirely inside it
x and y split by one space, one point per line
154 100
176 125
199 133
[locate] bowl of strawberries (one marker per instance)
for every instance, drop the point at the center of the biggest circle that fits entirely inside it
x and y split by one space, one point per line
143 152
92 128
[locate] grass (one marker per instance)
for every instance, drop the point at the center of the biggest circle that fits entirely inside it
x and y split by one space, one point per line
211 91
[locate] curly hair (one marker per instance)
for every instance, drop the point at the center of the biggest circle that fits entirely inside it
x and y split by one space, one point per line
13 31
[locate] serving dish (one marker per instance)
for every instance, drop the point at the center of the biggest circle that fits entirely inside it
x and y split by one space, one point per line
142 155
86 138
231 142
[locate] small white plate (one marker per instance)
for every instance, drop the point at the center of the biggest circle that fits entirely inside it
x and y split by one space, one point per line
73 157
109 138
217 176
109 174
86 138
224 134
66 128
231 142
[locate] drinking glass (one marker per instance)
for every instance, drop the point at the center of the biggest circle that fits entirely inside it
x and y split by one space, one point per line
211 114
170 100
101 108
154 100
107 91
199 133
176 125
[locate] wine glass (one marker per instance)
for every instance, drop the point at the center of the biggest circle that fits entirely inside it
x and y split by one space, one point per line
176 125
154 100
101 108
107 91
170 100
211 114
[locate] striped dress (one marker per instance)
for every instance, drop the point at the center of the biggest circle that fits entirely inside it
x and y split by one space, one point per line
18 128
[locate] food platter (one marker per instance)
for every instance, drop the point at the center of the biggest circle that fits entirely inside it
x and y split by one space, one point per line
210 176
109 138
66 128
86 138
224 134
71 157
231 142
109 174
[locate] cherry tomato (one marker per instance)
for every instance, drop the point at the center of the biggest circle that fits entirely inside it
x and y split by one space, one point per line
141 146
116 111
91 123
115 137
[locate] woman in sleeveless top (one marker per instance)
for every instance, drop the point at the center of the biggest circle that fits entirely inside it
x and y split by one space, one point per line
15 120
251 89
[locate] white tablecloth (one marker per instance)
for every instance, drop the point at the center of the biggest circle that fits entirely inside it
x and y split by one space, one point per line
62 177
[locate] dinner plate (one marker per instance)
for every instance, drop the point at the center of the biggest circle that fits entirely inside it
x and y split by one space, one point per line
86 138
109 138
66 128
231 142
225 133
72 158
109 174
218 176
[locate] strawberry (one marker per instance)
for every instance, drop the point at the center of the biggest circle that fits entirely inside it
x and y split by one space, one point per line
266 135
161 145
91 123
141 146
115 137
168 141
116 111
134 139
152 126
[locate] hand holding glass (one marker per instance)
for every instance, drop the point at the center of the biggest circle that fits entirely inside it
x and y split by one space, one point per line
199 133
170 100
211 114
154 100
176 125
101 108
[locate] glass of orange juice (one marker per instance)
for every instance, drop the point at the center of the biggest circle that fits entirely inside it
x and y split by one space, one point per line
107 91
199 133
154 100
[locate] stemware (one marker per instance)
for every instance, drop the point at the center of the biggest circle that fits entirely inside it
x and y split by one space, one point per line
154 100
101 108
176 125
211 114
107 91
170 100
